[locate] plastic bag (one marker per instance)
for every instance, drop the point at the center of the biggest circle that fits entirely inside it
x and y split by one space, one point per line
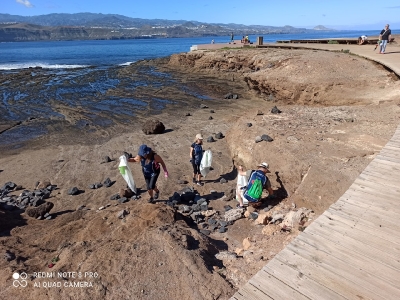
126 173
205 164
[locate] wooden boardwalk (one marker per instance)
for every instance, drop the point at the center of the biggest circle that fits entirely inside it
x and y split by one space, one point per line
352 251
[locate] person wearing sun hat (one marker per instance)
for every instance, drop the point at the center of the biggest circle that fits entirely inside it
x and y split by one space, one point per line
150 162
254 176
196 154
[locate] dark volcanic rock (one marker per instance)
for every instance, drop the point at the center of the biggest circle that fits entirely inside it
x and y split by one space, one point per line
210 139
107 159
266 138
219 135
210 118
73 191
275 110
249 124
9 256
153 126
39 211
108 182
203 106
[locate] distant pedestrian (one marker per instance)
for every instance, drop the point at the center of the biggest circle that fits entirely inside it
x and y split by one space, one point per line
196 154
150 162
385 36
362 39
231 36
212 41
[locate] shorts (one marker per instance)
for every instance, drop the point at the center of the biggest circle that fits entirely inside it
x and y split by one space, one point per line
151 181
196 168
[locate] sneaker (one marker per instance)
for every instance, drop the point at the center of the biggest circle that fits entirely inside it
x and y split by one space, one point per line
156 195
151 200
194 180
199 183
239 206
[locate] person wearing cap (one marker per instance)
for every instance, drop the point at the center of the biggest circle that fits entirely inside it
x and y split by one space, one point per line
150 162
262 168
196 154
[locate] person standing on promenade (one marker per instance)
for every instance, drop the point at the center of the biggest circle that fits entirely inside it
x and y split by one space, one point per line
231 36
196 154
385 36
150 162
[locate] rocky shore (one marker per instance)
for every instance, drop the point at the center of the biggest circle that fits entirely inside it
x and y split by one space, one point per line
318 118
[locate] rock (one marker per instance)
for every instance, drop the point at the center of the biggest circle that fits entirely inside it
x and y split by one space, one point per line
253 216
127 193
293 218
251 209
222 229
123 200
49 217
233 214
121 214
107 159
228 96
258 139
219 135
182 182
43 185
212 221
212 227
153 126
41 210
223 180
268 208
73 191
275 110
185 208
208 213
223 223
196 207
239 251
246 214
9 256
201 200
276 218
205 232
246 243
210 118
203 225
210 139
226 255
227 207
115 197
270 65
235 96
81 207
108 182
262 219
203 106
91 186
187 115
212 111
266 138
249 124
260 113
204 206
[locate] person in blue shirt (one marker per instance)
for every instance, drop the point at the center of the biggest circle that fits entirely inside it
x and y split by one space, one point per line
196 154
150 162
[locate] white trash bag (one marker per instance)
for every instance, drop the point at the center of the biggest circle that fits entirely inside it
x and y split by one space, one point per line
126 172
205 164
241 182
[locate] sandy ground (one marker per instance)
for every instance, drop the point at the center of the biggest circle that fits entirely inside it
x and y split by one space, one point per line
338 111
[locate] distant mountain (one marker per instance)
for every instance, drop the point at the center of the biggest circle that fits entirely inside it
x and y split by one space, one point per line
112 26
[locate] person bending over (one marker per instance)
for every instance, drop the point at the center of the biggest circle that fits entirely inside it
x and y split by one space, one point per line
150 162
258 181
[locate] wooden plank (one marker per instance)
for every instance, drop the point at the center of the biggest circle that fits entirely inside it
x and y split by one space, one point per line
375 253
386 233
389 154
378 178
358 235
390 192
249 291
356 259
333 278
373 194
389 176
299 281
394 161
356 277
379 164
380 215
274 287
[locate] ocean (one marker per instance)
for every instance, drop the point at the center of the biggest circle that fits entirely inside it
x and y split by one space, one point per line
84 84
103 53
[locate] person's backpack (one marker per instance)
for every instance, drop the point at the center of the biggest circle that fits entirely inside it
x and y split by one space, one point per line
255 186
197 153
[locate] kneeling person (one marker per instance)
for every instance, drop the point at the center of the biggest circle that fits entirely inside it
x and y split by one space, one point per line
255 185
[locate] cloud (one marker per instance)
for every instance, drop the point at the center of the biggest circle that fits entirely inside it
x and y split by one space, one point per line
25 2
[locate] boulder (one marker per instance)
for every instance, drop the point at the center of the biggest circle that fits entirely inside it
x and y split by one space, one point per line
226 255
293 218
262 219
153 126
219 135
246 243
210 139
275 110
266 138
73 191
39 211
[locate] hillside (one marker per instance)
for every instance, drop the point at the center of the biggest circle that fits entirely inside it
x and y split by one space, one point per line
110 26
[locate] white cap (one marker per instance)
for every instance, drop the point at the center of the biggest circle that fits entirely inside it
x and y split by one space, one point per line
265 166
199 136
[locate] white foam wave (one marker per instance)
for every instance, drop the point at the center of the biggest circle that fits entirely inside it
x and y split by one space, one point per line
42 65
127 63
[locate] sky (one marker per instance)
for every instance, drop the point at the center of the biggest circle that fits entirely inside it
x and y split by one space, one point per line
336 14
